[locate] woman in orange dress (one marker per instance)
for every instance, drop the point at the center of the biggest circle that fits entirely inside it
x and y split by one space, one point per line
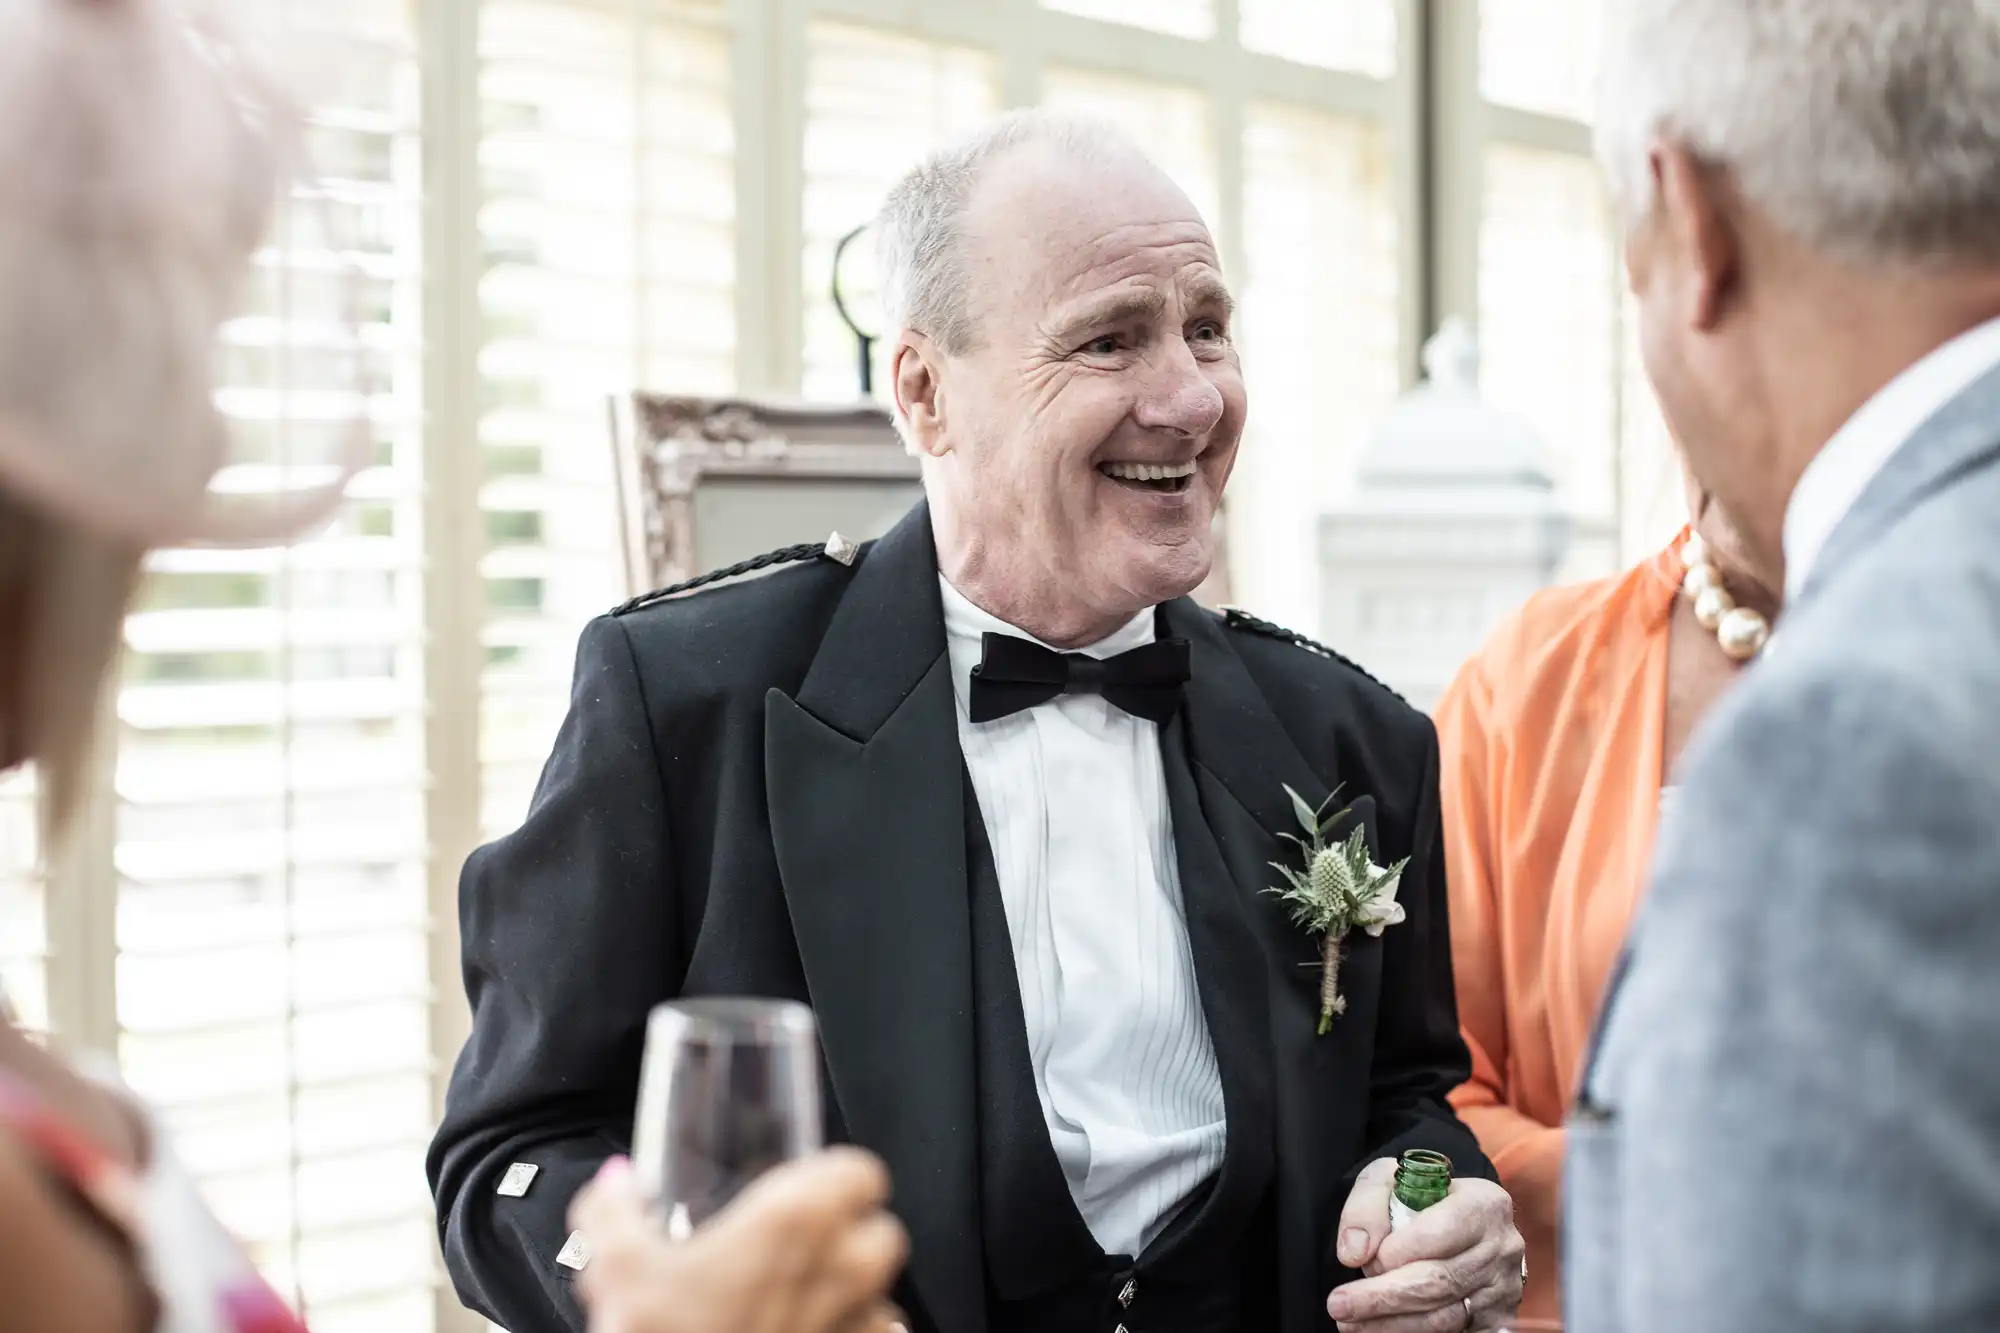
1558 740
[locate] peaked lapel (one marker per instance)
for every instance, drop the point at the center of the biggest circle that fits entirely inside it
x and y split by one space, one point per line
1244 758
863 776
1959 437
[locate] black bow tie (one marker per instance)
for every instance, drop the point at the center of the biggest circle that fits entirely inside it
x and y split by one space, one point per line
1014 674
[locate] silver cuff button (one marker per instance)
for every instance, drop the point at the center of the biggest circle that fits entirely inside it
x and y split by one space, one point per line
575 1253
520 1175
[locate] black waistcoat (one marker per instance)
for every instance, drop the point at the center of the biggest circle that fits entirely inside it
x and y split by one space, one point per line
1211 1270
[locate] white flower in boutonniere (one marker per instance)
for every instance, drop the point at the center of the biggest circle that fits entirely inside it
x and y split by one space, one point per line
1339 888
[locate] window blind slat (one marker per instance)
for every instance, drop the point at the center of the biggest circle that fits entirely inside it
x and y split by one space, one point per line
609 229
1354 35
1542 55
876 104
270 859
1193 19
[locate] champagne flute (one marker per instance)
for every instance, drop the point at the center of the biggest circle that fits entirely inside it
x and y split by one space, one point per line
729 1089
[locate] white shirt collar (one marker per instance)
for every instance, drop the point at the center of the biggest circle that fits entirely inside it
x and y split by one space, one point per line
965 624
1861 448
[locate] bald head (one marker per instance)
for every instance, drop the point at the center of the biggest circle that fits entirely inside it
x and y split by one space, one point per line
1026 157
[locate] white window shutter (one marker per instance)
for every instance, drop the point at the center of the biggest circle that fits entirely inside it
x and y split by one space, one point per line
876 104
609 230
1193 19
1542 55
1354 35
273 996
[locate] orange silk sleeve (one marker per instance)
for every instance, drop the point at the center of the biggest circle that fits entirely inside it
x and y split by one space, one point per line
1473 777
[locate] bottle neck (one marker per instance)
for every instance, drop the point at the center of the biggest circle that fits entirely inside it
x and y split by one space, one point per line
1422 1180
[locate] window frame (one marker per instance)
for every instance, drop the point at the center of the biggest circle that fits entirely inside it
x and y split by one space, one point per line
1464 124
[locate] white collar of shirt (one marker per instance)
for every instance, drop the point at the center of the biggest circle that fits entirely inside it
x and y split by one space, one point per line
1861 448
965 626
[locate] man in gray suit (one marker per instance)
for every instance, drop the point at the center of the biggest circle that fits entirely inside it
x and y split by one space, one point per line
1791 1122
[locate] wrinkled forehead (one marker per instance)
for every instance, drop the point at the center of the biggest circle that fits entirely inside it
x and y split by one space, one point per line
1044 231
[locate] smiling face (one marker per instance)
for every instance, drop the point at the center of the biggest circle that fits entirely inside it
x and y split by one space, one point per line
1076 450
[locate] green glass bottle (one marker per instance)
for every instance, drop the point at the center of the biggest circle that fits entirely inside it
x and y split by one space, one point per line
1423 1178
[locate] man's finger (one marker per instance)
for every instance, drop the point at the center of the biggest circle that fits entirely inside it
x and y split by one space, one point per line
829 1188
1365 1220
856 1273
1451 1227
1451 1319
873 1254
1419 1288
882 1319
1496 1306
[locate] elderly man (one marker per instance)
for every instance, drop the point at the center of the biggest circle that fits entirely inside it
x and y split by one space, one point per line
1003 805
1792 1118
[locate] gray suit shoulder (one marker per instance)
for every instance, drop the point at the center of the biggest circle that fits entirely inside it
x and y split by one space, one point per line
1907 642
1812 965
1868 735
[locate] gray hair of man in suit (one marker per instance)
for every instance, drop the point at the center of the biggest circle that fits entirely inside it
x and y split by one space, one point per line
920 243
1811 190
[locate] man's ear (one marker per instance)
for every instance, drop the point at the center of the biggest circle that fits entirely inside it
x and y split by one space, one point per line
1698 231
914 373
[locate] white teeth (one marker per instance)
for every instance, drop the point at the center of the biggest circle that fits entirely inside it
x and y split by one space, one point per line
1149 471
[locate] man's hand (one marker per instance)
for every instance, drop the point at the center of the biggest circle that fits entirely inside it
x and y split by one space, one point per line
1456 1266
806 1249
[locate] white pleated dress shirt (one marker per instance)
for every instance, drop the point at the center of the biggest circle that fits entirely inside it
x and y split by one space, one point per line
1075 805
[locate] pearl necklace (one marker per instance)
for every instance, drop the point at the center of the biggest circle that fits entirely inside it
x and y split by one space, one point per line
1741 631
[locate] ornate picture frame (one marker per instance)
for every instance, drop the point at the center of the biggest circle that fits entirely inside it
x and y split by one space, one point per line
705 482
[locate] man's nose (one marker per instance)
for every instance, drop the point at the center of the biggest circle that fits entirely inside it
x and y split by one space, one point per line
1179 396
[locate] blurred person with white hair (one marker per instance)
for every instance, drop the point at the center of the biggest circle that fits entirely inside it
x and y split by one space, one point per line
1791 1115
1008 808
142 148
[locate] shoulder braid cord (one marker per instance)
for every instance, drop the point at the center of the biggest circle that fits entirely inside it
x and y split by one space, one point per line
1243 620
788 555
791 555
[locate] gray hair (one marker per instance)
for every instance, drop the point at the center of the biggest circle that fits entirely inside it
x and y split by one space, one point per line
1868 128
919 254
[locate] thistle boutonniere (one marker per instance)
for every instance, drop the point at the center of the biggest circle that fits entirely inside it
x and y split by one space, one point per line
1339 889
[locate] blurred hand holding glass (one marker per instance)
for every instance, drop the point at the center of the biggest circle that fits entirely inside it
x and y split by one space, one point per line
729 1089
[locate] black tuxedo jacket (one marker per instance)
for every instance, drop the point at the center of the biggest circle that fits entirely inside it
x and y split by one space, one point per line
759 791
